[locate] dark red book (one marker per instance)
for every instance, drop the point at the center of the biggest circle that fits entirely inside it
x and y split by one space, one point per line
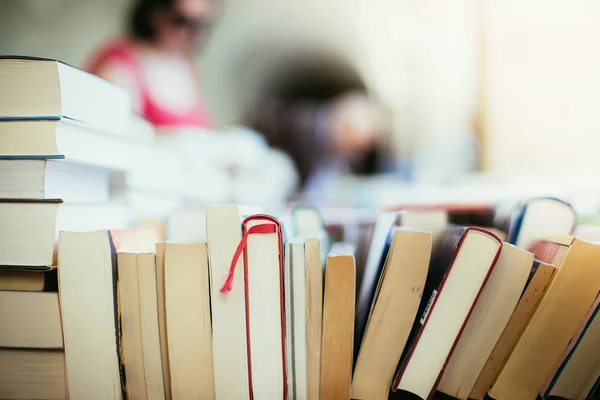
462 260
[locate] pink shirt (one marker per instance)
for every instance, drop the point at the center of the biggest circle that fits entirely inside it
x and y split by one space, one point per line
125 54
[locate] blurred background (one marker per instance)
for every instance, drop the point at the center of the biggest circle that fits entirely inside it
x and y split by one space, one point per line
462 93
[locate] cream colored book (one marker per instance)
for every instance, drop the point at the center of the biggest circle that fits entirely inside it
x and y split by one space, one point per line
338 324
392 313
87 284
224 232
265 311
295 312
314 316
556 320
162 317
188 321
131 333
153 365
30 320
488 319
32 374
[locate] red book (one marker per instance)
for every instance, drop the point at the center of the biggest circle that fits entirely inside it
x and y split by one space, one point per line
462 260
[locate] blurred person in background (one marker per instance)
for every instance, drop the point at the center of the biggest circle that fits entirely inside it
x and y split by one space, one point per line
320 114
153 61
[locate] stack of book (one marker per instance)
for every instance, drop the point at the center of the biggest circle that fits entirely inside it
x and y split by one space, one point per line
41 98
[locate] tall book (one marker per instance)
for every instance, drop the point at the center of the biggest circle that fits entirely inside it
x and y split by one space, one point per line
162 317
131 332
314 316
539 349
224 233
579 369
462 260
541 277
265 307
540 216
30 320
87 284
37 88
188 321
148 293
27 233
338 320
139 326
32 374
392 312
296 322
488 319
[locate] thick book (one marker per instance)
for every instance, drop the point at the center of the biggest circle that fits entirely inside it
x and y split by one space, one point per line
50 179
27 233
540 216
555 322
338 320
38 88
187 302
462 260
87 272
295 319
30 320
230 357
139 326
576 374
28 281
314 316
392 312
488 319
32 374
539 280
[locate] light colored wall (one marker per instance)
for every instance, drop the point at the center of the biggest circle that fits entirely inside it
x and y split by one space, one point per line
419 58
542 86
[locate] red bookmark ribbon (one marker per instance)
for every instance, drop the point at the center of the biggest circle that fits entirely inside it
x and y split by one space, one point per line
256 229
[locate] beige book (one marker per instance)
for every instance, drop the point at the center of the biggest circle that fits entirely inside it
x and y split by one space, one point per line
314 316
528 303
131 332
30 320
153 365
555 322
162 317
87 298
581 368
32 374
392 314
492 312
224 232
20 280
338 325
188 321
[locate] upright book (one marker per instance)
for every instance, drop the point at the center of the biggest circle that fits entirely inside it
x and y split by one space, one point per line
187 305
314 316
489 318
555 322
37 88
461 263
87 284
230 357
392 312
338 320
